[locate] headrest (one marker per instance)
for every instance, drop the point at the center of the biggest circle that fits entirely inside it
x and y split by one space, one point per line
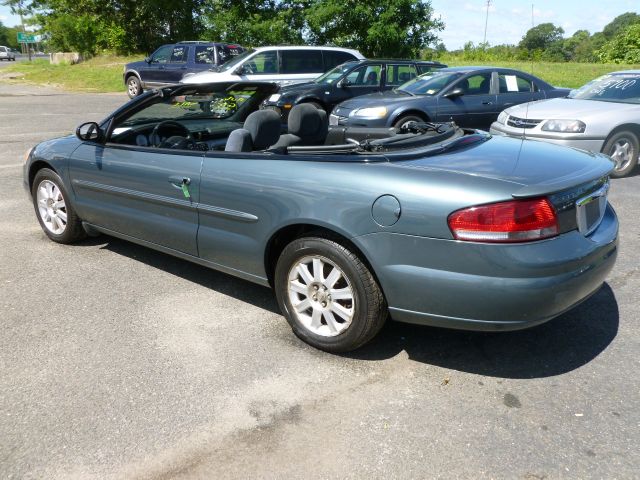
308 122
264 127
239 141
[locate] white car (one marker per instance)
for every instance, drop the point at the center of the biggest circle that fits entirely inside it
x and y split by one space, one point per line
601 116
7 54
284 65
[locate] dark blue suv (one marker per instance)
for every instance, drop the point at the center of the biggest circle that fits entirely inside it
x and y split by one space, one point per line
169 63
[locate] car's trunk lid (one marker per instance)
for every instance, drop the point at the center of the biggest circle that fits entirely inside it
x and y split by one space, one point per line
537 168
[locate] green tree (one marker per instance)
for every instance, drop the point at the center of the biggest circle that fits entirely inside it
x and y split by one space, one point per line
89 26
541 37
623 48
395 28
620 24
256 23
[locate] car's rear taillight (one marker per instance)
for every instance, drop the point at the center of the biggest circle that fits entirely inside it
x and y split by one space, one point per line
511 221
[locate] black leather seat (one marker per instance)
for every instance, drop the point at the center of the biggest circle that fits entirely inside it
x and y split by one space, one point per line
307 125
260 130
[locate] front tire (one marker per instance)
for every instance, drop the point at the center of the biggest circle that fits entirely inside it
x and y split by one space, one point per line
623 149
328 295
56 216
134 88
405 119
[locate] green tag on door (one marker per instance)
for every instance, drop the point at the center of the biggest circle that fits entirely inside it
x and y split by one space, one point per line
185 190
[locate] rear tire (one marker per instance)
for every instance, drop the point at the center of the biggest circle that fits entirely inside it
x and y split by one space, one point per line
328 295
623 149
134 88
55 213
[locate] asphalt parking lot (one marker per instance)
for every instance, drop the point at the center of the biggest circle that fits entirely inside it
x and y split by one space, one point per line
120 362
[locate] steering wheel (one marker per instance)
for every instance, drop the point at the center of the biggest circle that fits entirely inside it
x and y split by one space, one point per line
170 125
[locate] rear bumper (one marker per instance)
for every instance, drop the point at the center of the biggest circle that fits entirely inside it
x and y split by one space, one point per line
476 286
575 141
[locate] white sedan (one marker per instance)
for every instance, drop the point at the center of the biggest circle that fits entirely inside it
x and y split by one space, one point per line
602 116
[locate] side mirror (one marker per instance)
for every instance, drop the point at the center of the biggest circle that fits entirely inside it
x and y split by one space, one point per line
148 59
456 92
89 131
344 83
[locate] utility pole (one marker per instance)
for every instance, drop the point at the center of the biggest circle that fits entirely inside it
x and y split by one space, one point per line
532 25
23 29
486 22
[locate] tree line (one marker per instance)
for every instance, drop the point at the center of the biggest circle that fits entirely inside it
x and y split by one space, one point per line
378 28
618 42
399 28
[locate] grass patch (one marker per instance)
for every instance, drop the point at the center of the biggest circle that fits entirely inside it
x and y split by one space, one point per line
571 75
99 74
104 73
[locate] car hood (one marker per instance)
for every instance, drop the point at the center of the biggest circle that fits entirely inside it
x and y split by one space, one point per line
381 98
208 76
569 109
135 65
298 88
536 167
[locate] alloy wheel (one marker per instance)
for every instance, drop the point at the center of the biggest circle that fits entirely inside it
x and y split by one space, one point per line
622 153
321 295
52 207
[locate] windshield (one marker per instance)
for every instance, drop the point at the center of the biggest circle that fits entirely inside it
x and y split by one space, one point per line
620 88
429 84
231 64
335 74
197 105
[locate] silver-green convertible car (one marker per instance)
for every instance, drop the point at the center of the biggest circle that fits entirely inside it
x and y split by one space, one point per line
428 224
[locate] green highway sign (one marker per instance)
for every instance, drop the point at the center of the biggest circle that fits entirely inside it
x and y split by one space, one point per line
26 37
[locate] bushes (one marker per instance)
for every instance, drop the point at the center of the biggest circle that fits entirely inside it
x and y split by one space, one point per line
623 48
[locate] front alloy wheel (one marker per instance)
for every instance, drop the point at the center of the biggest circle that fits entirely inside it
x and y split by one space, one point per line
56 216
133 86
623 149
328 295
52 207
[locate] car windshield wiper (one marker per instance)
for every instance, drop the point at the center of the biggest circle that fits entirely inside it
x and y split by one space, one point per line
406 92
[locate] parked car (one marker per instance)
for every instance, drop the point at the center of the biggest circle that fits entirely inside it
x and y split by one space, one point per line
283 65
169 63
602 116
430 223
470 96
348 80
7 54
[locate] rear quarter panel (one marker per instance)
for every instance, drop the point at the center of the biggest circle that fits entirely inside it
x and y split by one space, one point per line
246 199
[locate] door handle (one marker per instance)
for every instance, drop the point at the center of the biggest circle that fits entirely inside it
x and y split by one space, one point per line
182 184
178 181
487 102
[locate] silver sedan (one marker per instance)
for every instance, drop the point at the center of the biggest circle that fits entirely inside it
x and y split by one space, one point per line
602 116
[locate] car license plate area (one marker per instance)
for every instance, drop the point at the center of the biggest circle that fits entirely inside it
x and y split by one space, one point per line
590 210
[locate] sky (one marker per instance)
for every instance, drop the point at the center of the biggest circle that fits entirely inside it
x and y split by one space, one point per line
508 19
